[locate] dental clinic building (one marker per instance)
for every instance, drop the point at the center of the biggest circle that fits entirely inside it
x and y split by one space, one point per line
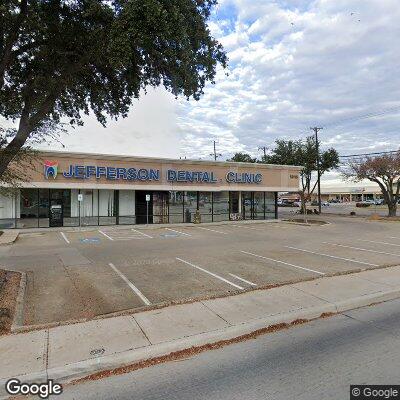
76 189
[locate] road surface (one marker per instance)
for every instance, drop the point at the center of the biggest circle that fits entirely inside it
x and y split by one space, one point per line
315 361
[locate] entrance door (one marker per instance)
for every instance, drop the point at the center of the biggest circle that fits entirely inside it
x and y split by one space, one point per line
56 213
141 207
247 205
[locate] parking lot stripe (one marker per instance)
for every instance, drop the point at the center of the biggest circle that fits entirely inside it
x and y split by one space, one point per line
361 249
243 280
372 241
212 230
181 233
105 234
210 273
130 284
328 255
283 262
141 233
65 237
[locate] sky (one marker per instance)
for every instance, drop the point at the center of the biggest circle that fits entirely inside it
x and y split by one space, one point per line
293 64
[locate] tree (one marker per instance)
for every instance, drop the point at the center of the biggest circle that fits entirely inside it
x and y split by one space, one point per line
304 153
383 170
242 157
62 58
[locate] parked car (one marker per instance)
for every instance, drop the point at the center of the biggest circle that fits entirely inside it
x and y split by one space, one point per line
314 203
379 202
365 203
325 203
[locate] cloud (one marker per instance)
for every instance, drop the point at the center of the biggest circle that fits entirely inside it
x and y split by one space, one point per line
297 64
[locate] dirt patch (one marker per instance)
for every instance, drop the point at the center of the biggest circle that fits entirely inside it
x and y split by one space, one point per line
376 217
309 221
9 287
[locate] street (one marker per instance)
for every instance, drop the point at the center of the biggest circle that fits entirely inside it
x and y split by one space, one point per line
314 361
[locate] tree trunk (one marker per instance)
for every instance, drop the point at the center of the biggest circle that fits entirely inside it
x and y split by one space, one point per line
392 209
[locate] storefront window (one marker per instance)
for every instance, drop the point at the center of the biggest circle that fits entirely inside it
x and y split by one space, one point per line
221 206
160 208
175 207
247 205
107 207
7 211
89 207
29 211
190 206
258 205
205 206
127 207
269 205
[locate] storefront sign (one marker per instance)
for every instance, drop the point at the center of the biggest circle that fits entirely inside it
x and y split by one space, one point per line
190 176
233 177
147 174
112 173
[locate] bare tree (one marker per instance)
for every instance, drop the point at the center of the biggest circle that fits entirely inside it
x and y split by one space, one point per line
383 170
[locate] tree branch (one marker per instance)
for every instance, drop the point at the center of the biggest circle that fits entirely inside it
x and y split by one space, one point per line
10 41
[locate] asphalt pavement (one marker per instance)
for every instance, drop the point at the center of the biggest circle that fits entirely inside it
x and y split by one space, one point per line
314 361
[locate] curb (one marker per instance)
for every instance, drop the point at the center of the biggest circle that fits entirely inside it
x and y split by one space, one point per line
81 369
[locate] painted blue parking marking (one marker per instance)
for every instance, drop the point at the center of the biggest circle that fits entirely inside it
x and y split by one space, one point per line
90 240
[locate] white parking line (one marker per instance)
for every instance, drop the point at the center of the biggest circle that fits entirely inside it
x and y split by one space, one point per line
283 262
328 255
144 234
181 233
210 273
131 285
105 234
212 230
65 237
243 280
127 237
372 241
361 249
394 237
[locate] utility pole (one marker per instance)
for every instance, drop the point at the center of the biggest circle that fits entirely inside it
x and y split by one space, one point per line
316 130
215 155
264 150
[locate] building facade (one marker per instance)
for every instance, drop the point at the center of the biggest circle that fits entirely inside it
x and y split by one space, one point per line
77 189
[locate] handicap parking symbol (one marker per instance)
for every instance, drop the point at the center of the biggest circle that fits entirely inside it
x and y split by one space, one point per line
90 240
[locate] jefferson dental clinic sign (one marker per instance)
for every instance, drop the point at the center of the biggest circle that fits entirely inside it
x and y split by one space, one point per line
147 174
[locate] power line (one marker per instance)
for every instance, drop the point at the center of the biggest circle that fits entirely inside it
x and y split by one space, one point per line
370 154
365 116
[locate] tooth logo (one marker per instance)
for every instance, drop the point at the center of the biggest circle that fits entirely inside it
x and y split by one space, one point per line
50 168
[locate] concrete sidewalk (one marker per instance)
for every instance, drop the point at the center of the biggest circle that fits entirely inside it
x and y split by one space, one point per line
70 351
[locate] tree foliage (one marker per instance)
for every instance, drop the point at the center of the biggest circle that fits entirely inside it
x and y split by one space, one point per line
383 170
304 153
243 157
60 59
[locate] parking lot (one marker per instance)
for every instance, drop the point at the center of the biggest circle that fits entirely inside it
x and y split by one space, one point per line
74 274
